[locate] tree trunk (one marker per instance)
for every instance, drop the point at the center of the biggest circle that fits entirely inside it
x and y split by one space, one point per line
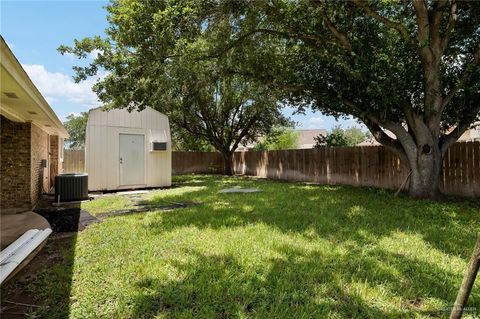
227 163
467 283
426 164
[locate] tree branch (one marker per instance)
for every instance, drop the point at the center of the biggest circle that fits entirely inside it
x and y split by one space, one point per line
404 139
452 20
339 35
306 37
435 17
423 22
387 22
244 132
382 138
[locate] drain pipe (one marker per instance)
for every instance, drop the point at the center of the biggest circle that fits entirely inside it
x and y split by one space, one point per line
19 250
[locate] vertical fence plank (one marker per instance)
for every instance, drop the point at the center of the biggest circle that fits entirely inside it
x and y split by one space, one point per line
73 161
476 167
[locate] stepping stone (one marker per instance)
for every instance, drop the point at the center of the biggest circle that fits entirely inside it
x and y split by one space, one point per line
240 190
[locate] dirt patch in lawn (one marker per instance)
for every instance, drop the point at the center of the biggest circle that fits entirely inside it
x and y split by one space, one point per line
145 206
17 300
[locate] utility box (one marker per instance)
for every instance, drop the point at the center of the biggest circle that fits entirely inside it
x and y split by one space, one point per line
127 150
159 146
71 187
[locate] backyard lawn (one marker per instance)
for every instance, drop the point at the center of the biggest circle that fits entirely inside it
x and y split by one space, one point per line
291 251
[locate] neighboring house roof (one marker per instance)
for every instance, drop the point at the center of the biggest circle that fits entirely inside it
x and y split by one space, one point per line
20 100
373 142
370 142
472 134
306 138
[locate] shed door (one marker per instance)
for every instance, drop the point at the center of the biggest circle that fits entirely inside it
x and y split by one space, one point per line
132 159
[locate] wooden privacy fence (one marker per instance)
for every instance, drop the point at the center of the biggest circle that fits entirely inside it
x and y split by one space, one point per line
183 162
196 162
359 166
73 161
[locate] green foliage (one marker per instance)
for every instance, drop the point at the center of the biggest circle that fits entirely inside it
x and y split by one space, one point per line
409 68
281 138
76 126
291 251
342 137
184 141
152 55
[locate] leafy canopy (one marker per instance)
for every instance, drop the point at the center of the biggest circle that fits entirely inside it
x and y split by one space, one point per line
281 138
412 68
76 126
151 56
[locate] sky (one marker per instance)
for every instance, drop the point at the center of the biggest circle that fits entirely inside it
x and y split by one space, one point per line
35 29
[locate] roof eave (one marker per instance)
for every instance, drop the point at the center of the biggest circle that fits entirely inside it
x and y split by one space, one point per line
13 66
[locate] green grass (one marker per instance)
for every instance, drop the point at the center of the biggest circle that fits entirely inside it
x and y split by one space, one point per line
292 251
107 203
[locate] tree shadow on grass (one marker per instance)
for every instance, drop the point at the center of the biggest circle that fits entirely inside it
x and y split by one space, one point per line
218 286
338 213
350 217
296 284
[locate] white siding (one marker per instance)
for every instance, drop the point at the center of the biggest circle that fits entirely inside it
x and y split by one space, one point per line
102 147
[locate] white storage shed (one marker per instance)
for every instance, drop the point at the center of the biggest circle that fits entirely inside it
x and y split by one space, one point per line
125 150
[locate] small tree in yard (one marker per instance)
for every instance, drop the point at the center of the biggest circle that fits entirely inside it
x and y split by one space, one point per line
76 126
221 109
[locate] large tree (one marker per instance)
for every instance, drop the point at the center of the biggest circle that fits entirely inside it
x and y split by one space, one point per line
410 67
212 106
151 59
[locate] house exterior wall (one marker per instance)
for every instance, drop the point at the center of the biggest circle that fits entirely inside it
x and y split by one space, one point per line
15 166
40 179
54 158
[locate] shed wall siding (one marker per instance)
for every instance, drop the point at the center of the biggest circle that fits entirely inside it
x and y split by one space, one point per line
102 147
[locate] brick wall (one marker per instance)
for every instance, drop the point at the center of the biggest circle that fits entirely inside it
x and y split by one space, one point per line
39 176
15 166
